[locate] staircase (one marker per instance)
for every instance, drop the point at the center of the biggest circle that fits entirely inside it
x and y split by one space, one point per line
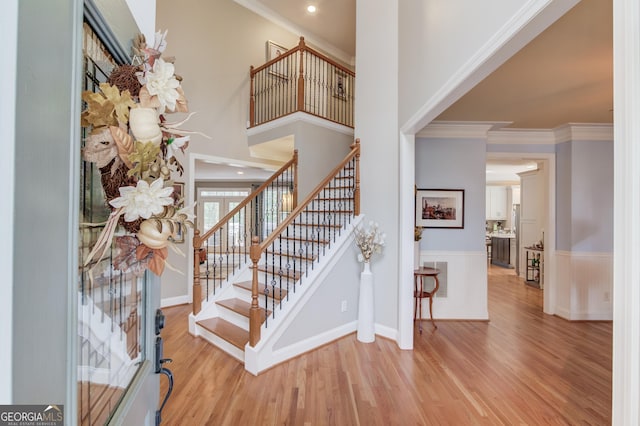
258 299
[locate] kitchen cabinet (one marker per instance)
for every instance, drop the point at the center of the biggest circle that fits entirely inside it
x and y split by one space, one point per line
501 251
496 203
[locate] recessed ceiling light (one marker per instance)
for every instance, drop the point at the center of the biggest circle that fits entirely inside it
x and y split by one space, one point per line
311 9
240 172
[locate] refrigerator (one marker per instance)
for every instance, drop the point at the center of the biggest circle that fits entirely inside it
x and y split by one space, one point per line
515 226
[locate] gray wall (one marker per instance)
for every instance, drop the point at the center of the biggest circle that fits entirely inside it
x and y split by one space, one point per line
454 164
341 284
320 149
584 194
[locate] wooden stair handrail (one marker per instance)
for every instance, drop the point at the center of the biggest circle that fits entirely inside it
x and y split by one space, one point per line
258 248
199 240
355 151
299 85
301 47
254 194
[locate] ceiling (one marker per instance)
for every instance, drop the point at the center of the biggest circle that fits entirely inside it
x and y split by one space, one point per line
563 76
331 28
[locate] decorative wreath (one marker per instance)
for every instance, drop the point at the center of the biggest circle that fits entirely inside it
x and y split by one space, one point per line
135 148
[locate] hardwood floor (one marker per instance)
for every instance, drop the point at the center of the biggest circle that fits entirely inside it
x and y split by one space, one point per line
521 367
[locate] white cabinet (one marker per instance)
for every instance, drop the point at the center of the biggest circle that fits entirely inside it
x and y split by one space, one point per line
496 203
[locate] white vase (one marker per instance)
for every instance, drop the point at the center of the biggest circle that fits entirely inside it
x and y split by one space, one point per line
416 254
366 332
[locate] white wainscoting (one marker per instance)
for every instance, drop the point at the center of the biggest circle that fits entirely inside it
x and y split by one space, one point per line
584 285
467 286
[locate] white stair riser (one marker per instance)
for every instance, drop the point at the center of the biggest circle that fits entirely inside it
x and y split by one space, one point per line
234 317
221 343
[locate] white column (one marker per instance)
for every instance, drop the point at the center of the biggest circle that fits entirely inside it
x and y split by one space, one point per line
626 269
376 124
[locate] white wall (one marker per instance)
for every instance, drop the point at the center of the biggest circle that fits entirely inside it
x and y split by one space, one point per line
377 127
144 12
8 44
445 49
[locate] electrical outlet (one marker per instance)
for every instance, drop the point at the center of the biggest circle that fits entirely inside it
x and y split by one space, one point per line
607 296
344 306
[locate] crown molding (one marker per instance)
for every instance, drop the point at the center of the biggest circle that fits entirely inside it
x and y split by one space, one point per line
584 132
521 137
495 133
460 129
270 15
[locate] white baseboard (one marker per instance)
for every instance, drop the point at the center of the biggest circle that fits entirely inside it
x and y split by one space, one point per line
386 332
173 301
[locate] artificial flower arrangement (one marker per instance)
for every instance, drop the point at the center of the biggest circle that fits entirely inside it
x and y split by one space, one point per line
369 241
135 148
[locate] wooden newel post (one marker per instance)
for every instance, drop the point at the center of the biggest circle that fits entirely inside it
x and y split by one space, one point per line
252 99
356 192
197 290
254 313
301 46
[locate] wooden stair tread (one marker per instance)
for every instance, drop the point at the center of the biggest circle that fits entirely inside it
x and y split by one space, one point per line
334 198
240 307
284 274
305 240
277 294
339 187
233 334
309 257
319 225
330 211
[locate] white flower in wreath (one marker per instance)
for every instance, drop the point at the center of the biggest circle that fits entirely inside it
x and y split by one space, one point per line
161 82
143 200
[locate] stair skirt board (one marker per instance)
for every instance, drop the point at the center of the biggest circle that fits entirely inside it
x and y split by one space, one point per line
263 356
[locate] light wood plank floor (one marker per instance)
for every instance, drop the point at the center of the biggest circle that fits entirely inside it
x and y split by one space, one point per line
521 367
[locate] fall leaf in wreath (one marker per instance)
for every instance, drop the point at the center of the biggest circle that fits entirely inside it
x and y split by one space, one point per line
144 154
99 112
122 102
127 256
156 261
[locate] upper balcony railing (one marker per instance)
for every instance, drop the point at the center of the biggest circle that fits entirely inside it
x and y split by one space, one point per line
302 79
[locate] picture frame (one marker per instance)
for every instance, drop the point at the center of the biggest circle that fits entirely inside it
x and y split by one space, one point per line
178 236
340 85
439 208
274 50
178 194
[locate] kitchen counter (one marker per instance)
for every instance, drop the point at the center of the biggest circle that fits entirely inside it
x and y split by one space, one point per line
501 235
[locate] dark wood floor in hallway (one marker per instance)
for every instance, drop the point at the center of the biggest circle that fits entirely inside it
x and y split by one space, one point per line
521 367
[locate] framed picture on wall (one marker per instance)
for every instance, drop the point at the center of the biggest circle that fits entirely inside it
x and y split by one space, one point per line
340 89
178 194
274 50
440 208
